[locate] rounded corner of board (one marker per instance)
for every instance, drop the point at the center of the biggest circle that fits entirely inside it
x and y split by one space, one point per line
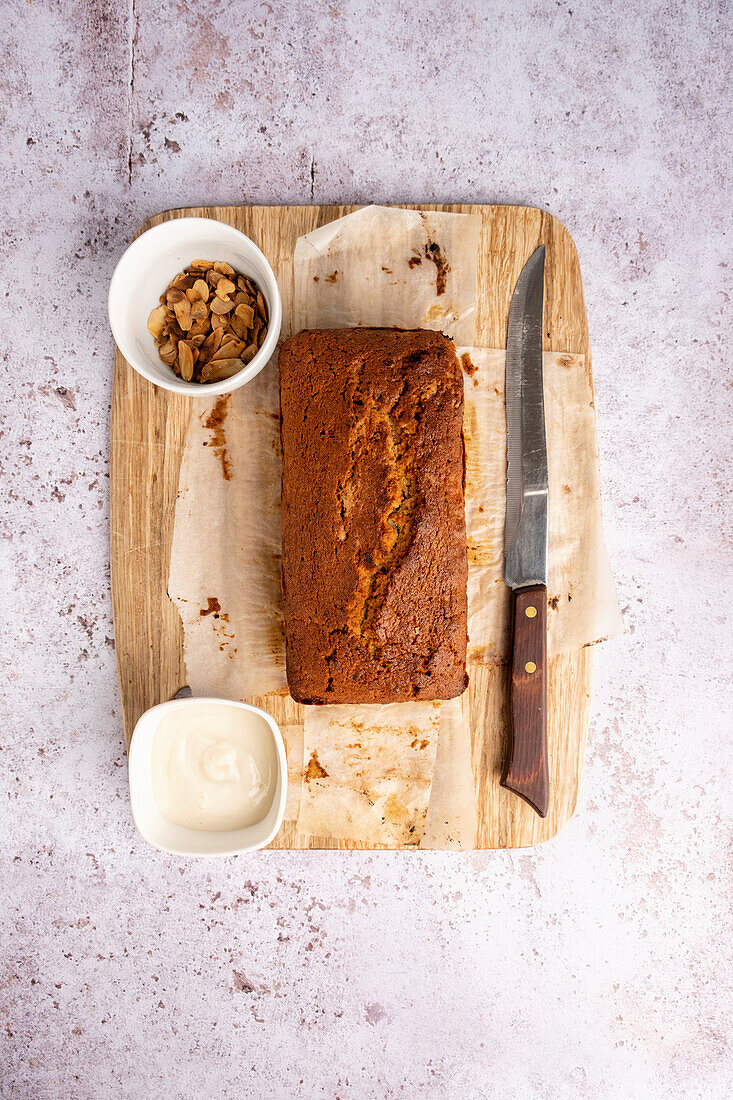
552 220
565 233
561 824
160 217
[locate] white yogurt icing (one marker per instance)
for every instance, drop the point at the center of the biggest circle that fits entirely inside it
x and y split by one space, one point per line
213 767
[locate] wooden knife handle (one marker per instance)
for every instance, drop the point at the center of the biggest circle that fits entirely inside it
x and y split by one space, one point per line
526 772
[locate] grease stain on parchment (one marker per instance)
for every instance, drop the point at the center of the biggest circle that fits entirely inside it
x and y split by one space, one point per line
214 423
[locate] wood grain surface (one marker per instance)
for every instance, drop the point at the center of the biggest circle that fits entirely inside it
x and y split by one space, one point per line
147 436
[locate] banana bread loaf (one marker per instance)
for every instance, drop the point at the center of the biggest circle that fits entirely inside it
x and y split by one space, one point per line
374 538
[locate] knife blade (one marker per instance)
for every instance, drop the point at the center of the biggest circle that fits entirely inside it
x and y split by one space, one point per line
525 538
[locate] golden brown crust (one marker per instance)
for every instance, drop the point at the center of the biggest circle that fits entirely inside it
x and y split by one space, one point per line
374 536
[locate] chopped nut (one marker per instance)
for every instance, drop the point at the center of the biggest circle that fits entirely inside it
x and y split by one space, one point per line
225 287
238 326
215 371
220 307
182 311
156 322
167 353
211 344
206 337
246 313
185 361
230 349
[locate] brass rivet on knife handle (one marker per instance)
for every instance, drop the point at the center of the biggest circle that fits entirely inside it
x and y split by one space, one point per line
526 772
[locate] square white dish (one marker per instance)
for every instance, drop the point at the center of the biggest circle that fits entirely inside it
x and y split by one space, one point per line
175 839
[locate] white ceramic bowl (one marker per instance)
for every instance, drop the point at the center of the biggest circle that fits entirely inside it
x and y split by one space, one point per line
147 268
166 836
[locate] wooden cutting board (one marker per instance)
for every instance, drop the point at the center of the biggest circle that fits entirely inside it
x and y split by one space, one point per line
148 431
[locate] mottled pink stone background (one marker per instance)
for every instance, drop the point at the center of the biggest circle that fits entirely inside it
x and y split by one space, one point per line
597 966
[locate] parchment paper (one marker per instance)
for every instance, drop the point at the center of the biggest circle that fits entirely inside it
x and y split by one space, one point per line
390 268
368 771
224 573
451 817
225 558
583 606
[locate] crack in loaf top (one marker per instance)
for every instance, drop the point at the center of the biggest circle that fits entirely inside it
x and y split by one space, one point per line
374 541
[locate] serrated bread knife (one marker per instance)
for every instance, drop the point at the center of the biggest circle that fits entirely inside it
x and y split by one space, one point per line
525 539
